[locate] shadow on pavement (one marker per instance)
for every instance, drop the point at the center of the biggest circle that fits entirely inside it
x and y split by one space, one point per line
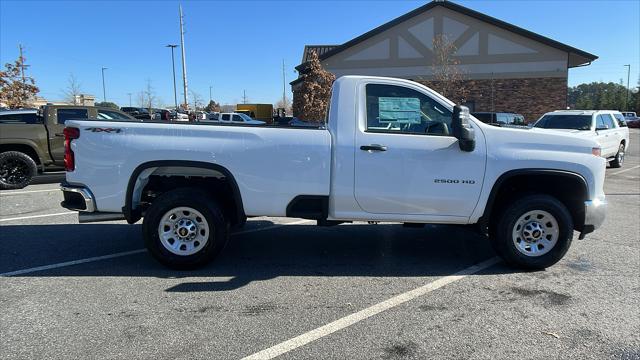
296 250
49 178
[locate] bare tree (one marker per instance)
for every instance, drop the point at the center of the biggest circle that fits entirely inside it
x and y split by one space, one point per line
149 97
284 104
448 78
141 99
73 90
197 99
315 91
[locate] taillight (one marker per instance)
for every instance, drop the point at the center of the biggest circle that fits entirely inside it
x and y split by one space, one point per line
70 133
165 115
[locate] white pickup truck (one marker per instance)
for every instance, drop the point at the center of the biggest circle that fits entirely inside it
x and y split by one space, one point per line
606 127
392 150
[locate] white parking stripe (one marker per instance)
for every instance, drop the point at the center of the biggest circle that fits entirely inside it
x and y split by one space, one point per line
74 262
38 216
354 318
125 253
26 192
625 170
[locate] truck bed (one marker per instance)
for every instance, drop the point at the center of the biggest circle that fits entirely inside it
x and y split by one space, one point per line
271 165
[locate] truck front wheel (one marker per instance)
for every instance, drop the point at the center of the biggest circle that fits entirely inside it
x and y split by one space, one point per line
185 229
534 232
17 170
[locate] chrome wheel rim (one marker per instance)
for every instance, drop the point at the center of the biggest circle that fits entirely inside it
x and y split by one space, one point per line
535 233
621 155
183 231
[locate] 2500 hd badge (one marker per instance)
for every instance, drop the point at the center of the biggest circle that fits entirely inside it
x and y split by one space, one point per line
453 181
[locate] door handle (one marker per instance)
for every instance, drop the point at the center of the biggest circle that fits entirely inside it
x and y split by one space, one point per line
59 134
373 147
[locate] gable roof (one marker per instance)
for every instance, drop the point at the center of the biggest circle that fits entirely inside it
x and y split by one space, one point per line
319 49
577 57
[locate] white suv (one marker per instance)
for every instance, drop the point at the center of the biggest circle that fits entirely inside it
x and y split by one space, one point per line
600 125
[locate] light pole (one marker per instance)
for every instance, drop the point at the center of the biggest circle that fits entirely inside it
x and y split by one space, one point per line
173 66
626 102
104 91
210 98
129 99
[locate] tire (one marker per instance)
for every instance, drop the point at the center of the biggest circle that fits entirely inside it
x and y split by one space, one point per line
516 240
619 159
200 229
17 170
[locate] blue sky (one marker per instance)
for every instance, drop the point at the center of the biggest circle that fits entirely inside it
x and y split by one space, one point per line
240 45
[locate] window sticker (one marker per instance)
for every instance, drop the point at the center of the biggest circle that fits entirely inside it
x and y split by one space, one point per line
399 110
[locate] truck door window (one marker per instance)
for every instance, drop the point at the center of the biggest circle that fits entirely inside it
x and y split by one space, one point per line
68 114
620 119
397 109
225 117
26 118
237 118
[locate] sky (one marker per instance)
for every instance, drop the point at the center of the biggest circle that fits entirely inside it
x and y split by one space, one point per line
239 46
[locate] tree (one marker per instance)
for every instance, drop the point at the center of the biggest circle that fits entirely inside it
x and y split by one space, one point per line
448 79
73 90
284 104
599 96
197 99
314 92
108 104
149 97
16 90
212 107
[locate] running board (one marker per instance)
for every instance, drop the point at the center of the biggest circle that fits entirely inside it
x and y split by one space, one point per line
88 217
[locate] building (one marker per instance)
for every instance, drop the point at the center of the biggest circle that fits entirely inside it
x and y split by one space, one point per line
505 68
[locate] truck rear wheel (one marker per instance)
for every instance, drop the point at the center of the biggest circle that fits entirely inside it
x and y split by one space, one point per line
17 170
534 232
185 229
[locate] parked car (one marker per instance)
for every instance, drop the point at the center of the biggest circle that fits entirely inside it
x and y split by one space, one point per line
137 112
599 125
179 116
633 122
501 118
236 118
529 189
161 115
32 141
629 114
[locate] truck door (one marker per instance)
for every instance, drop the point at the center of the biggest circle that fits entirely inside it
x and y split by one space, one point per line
407 160
605 136
55 126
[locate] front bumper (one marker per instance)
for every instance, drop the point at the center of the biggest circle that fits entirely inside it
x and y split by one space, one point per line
77 198
594 215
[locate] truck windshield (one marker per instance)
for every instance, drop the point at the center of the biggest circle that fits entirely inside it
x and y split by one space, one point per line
576 122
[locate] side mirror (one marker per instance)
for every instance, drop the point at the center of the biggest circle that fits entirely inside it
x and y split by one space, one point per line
603 127
462 130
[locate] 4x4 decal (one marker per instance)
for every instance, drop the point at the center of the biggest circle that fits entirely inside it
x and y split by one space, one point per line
107 130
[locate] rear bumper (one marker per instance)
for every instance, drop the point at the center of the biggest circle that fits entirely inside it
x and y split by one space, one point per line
594 215
77 198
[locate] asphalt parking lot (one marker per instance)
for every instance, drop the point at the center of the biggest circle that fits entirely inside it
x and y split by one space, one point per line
284 287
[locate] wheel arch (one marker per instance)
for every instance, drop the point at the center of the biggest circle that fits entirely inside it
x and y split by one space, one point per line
140 176
569 187
27 148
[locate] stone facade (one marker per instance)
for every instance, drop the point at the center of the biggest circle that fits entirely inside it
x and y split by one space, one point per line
531 97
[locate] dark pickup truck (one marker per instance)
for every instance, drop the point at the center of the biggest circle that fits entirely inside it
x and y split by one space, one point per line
32 141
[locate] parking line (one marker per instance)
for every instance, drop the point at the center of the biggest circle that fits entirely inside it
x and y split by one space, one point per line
74 262
625 170
26 192
354 318
120 254
38 216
